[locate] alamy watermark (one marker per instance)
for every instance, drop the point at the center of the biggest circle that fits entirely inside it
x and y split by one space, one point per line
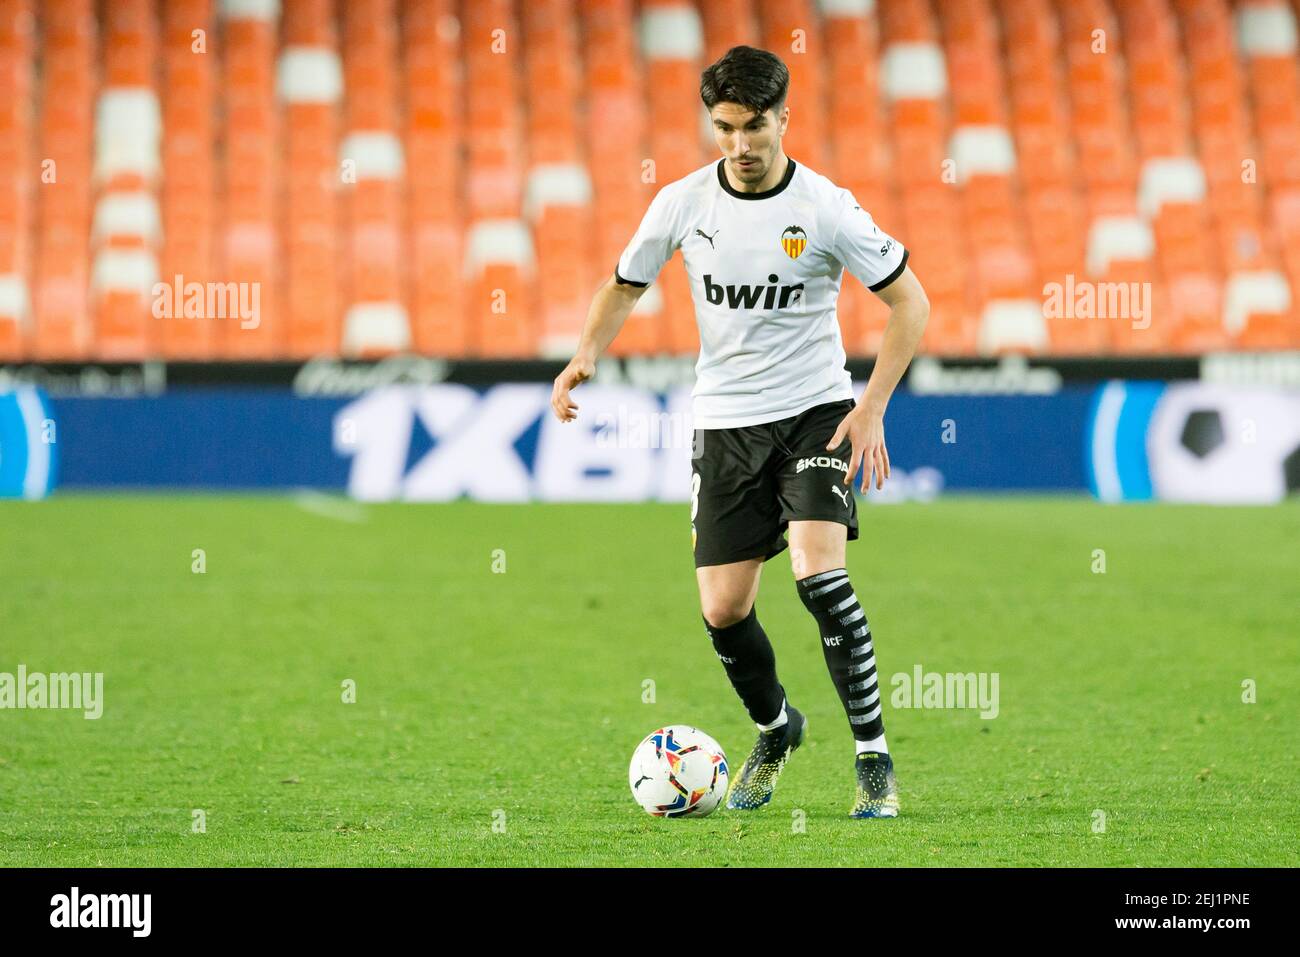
78 691
938 689
627 428
209 300
129 911
1084 299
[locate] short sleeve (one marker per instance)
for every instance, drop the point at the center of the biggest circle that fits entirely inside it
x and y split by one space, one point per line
651 246
867 251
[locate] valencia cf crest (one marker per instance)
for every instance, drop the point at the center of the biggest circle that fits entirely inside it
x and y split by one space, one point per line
793 241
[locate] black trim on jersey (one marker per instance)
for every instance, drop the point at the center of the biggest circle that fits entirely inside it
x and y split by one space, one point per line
892 276
767 193
628 282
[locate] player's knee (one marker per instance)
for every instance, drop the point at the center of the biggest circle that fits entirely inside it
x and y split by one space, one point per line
805 563
725 611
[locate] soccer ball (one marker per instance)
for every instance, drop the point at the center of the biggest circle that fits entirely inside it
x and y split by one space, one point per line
678 771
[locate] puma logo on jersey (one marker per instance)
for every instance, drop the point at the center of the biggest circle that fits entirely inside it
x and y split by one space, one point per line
820 462
843 494
748 297
702 233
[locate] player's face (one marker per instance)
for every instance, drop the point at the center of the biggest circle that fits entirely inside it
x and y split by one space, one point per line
750 141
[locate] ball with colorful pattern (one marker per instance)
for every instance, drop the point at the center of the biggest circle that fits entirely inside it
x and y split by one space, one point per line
678 771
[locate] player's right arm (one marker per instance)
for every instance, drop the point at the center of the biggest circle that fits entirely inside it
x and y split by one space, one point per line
645 255
610 307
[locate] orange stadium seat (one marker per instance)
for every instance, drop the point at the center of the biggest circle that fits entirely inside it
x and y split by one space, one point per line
61 294
859 146
791 29
188 92
434 136
558 195
728 23
310 87
248 248
1267 331
1196 305
376 320
907 21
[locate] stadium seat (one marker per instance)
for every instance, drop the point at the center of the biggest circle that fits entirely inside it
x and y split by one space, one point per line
672 43
309 81
188 92
644 328
1012 325
557 202
859 147
973 63
500 267
728 23
65 143
1257 310
434 138
1265 331
128 131
1196 304
792 28
248 248
623 184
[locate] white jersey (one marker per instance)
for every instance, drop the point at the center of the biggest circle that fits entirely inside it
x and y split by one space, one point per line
765 271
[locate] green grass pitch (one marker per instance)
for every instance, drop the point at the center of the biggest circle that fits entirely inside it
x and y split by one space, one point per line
496 712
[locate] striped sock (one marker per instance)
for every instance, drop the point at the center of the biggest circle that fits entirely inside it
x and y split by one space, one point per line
846 642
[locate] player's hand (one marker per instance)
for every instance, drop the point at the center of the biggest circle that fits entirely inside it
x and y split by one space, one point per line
579 370
865 429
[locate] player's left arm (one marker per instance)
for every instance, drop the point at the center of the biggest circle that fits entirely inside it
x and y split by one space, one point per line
909 310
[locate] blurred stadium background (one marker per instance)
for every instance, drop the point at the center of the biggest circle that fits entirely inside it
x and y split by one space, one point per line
321 199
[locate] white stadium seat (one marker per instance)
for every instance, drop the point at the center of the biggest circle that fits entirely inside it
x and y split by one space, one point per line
310 75
506 241
1264 291
1266 30
982 150
128 130
1172 179
127 214
375 326
913 71
1118 237
1012 324
376 155
250 10
671 33
124 270
556 184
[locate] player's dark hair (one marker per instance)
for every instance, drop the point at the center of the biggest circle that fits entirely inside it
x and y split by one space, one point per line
756 79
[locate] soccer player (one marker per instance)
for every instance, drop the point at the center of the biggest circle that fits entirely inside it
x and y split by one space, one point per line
778 436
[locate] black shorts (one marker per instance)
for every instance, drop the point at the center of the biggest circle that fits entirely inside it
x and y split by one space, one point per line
750 482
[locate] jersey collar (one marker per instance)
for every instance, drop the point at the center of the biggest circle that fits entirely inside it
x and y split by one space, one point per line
767 193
